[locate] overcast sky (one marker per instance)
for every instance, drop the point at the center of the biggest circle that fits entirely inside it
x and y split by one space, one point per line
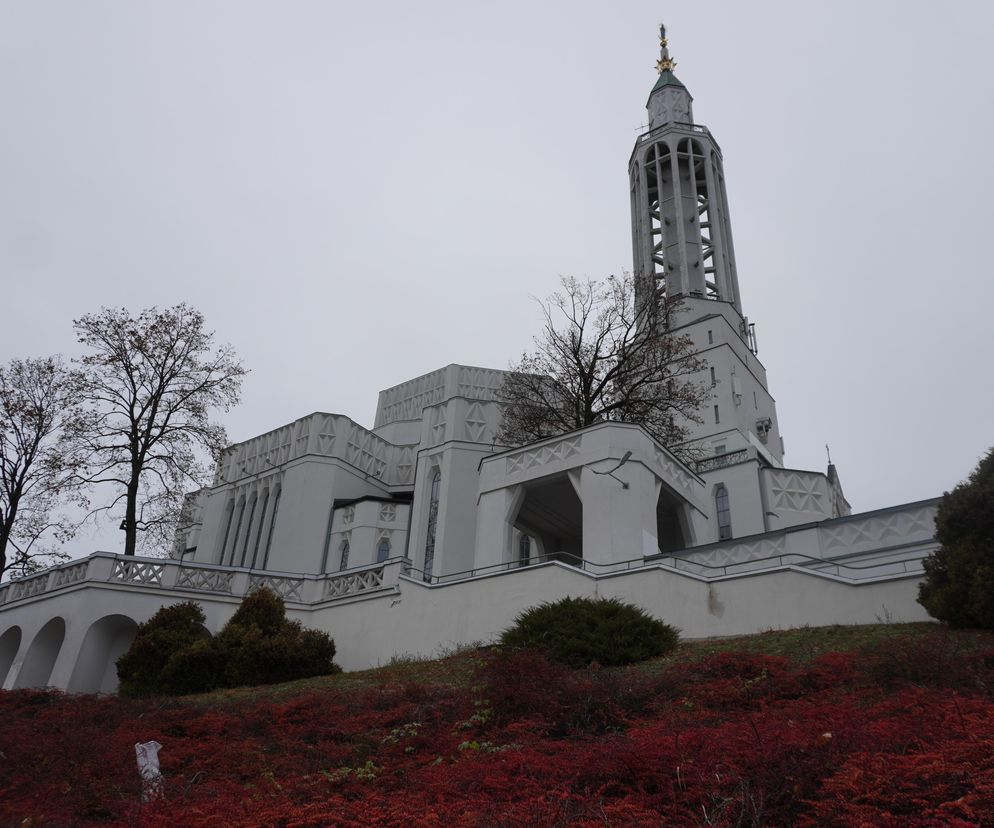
358 193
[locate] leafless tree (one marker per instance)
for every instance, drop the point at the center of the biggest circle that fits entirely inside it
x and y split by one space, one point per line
40 460
603 357
153 381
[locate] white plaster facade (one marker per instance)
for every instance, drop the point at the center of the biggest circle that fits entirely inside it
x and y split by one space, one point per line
422 533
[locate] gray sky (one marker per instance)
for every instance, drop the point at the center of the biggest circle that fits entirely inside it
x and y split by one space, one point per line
355 194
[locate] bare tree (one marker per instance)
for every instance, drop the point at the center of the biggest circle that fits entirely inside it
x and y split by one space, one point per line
153 381
40 461
603 357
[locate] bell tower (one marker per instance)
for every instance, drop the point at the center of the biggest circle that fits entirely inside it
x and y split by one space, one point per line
684 258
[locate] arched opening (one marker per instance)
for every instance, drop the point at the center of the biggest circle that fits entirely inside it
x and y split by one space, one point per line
38 663
723 510
671 532
10 643
552 513
96 665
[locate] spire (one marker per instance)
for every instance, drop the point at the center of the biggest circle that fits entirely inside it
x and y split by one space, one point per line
665 62
669 100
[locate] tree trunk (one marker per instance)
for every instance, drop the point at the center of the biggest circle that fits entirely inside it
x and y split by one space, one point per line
130 519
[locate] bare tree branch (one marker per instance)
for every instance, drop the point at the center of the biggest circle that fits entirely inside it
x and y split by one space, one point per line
600 357
153 381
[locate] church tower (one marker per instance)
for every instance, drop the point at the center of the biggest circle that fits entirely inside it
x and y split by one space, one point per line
683 256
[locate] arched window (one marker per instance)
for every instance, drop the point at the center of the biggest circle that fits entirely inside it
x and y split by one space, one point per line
724 512
524 550
383 550
436 488
345 554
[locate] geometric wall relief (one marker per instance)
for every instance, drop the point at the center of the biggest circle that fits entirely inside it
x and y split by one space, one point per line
348 516
405 466
739 552
326 434
408 400
476 424
678 472
479 383
388 512
367 452
542 455
302 433
796 492
437 425
914 525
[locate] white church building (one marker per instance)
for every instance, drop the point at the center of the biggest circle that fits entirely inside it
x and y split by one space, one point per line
423 533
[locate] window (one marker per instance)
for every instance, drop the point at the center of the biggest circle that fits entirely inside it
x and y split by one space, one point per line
436 487
327 539
714 381
258 533
710 337
383 550
238 531
345 554
754 403
272 525
248 532
717 418
724 512
524 550
227 532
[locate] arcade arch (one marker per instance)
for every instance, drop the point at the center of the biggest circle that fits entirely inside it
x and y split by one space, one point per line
40 659
96 665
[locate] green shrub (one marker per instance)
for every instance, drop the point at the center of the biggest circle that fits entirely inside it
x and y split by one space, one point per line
959 576
580 631
173 654
170 631
259 645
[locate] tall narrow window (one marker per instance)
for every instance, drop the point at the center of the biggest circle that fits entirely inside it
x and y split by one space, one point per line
238 530
714 381
327 539
248 531
227 531
710 337
345 554
258 532
724 512
272 525
717 417
383 550
524 550
436 487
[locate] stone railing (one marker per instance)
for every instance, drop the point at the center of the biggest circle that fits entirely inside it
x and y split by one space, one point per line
173 575
720 461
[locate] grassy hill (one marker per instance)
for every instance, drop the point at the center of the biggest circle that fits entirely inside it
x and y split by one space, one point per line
883 725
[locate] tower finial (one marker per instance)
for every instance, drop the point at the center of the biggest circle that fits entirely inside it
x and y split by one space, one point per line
665 61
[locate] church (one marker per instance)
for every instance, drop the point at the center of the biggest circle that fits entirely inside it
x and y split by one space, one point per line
423 533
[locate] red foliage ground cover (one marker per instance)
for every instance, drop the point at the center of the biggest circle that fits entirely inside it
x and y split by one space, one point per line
900 735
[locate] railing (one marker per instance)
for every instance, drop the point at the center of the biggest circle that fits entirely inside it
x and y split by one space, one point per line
719 461
171 574
910 565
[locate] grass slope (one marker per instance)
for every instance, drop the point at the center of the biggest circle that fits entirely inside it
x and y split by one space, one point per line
884 725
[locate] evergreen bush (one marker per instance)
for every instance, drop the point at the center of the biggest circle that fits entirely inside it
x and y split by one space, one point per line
959 576
173 654
581 631
170 631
